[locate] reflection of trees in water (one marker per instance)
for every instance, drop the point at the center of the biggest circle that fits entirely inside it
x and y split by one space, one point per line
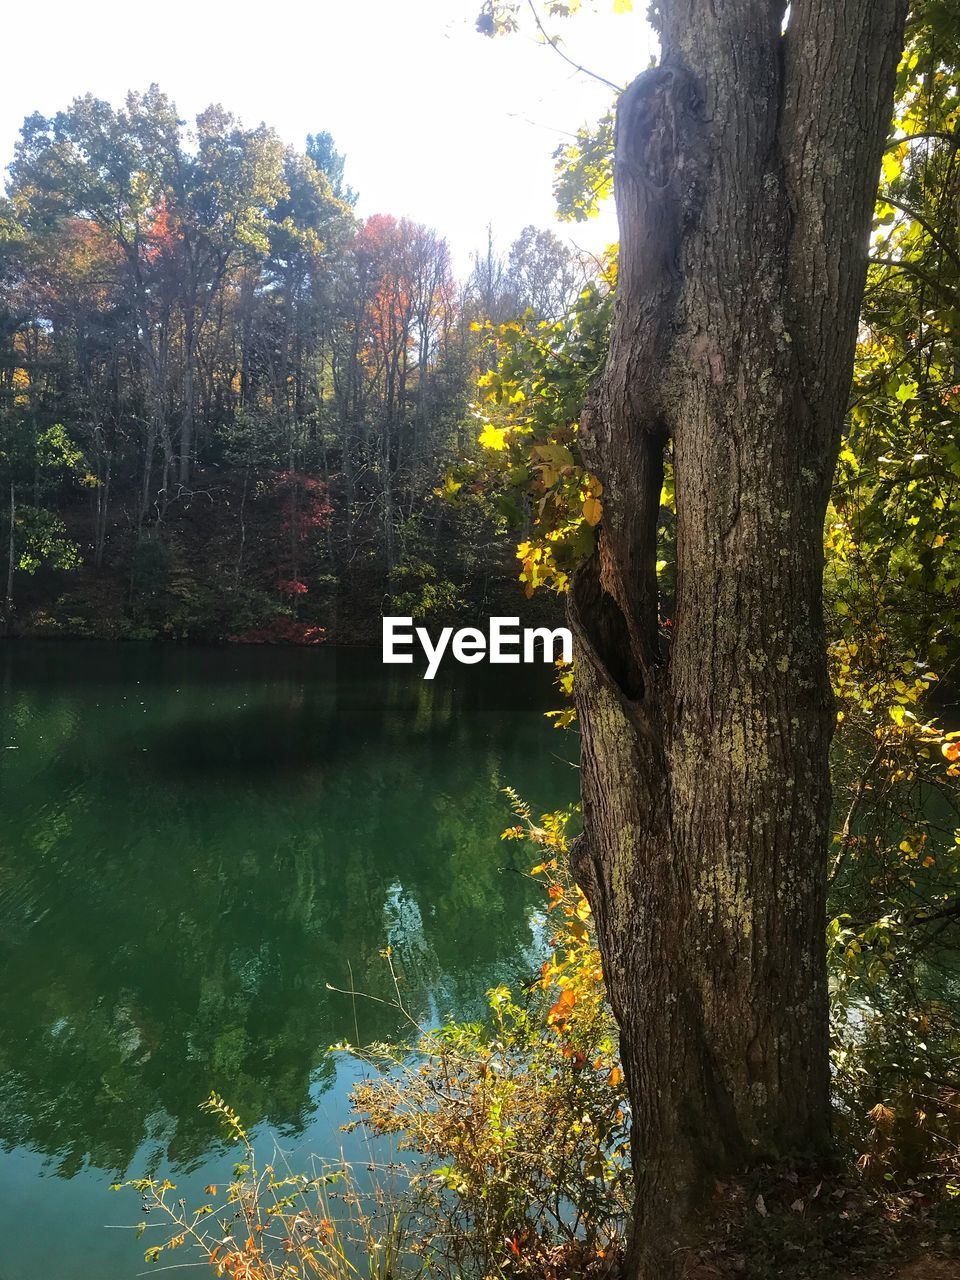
166 929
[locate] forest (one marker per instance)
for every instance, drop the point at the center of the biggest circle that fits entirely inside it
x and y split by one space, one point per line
640 966
229 404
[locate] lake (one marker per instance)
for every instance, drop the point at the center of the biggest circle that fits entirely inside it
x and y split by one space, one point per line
193 844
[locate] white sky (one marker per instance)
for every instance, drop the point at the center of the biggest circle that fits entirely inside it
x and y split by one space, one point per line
438 123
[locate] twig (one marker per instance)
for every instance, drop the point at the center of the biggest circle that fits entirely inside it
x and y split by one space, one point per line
552 42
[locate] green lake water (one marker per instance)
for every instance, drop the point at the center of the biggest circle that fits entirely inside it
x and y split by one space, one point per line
193 844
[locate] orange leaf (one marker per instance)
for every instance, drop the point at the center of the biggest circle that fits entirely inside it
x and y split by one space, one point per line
563 1006
592 511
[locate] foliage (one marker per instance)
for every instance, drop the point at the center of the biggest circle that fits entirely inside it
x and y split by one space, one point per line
891 539
273 1226
893 590
892 586
529 405
521 1120
40 538
584 171
249 379
38 462
892 940
418 590
518 1125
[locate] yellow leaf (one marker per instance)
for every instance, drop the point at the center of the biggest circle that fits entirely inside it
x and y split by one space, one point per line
592 511
891 166
493 438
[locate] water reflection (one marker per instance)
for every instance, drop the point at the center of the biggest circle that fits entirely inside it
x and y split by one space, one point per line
193 845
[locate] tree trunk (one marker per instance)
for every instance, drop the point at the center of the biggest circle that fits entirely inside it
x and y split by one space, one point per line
102 509
187 418
149 448
11 561
746 168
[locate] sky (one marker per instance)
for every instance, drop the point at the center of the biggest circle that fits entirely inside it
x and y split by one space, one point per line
439 124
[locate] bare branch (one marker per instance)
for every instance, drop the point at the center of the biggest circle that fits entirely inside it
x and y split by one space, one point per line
552 42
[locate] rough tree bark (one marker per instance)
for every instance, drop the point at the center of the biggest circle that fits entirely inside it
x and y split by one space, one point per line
746 168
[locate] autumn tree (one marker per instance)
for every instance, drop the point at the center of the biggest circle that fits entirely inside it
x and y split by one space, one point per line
232 352
746 166
181 210
392 360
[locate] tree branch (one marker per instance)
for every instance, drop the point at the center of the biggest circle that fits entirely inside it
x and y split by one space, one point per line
921 221
552 42
912 269
952 138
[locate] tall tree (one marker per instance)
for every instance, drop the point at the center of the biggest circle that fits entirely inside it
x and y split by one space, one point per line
218 197
543 274
322 151
746 165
